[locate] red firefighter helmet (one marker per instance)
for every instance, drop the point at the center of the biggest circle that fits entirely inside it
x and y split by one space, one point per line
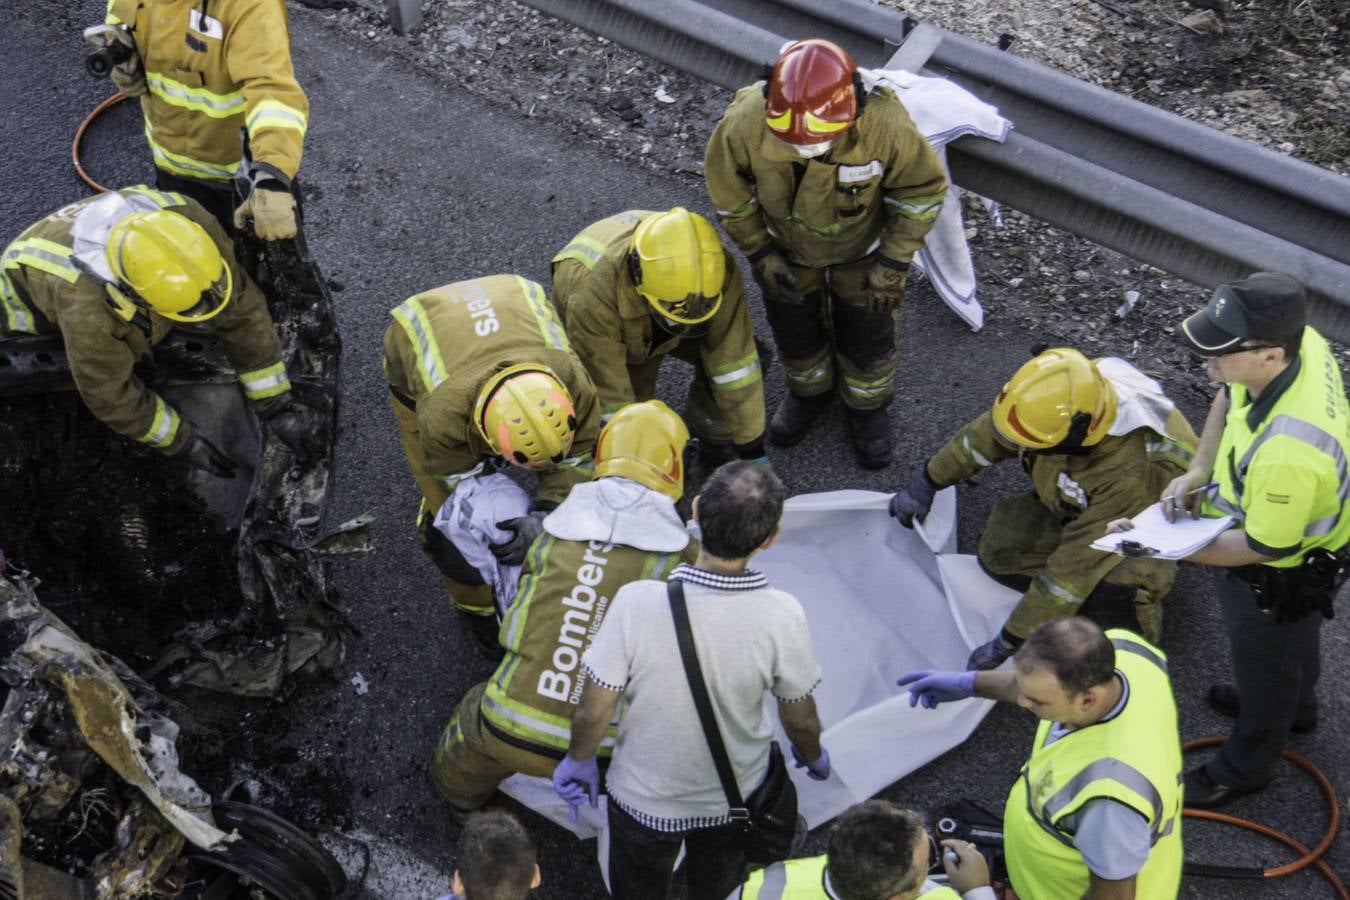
811 95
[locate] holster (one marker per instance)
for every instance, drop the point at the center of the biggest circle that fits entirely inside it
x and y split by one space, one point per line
1292 593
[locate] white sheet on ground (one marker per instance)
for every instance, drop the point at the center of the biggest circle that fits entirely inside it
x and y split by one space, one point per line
881 601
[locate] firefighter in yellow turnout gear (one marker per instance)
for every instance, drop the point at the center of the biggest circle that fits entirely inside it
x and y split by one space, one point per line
829 193
113 274
621 527
640 286
204 72
1099 440
482 372
876 851
1096 809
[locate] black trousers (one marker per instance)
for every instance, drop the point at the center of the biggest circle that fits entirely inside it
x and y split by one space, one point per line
1275 669
642 860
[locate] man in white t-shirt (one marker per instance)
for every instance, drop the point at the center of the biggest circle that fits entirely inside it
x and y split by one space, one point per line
662 784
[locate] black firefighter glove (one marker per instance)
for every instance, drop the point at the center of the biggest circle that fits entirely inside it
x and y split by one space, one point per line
915 499
294 425
775 276
202 454
886 286
991 655
524 530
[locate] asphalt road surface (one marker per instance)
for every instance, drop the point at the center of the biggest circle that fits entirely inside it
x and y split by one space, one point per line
412 185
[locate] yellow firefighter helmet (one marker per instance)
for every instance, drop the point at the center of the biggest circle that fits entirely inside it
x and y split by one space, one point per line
1059 400
168 264
678 265
526 415
644 442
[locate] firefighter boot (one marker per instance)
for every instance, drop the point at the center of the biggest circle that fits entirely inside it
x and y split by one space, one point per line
794 416
871 433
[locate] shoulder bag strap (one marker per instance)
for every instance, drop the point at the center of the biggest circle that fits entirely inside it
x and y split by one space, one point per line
693 672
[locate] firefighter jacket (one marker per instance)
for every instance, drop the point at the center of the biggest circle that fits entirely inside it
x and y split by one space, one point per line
212 70
1115 478
444 345
53 280
879 189
612 328
1133 758
566 587
1281 460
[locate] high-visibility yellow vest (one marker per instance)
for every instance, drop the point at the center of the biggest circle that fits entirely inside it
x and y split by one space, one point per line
1300 446
804 879
1133 759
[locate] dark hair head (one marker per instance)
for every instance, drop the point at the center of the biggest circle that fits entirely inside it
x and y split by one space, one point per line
495 857
738 508
1074 649
871 851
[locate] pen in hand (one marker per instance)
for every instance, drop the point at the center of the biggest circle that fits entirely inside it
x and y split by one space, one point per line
1172 503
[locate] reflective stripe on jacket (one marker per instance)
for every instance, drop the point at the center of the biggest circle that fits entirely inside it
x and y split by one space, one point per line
1286 480
611 327
212 70
565 590
804 879
1133 759
444 344
46 291
880 188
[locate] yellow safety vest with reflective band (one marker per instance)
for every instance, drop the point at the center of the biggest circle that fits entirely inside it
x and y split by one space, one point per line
565 591
212 69
43 290
611 326
1286 481
804 879
1133 759
880 189
444 344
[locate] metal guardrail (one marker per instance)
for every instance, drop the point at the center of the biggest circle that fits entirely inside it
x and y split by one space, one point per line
1176 194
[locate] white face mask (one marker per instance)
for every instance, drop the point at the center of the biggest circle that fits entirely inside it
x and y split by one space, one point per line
811 151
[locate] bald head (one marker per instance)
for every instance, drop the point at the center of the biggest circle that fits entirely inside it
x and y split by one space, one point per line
1074 649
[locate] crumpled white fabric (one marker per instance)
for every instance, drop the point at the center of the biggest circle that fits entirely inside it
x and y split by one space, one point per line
881 601
469 520
943 112
1140 401
619 511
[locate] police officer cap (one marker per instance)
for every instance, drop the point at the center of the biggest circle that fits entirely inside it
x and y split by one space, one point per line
1267 307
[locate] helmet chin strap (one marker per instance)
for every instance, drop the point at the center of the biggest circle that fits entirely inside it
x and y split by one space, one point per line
1072 445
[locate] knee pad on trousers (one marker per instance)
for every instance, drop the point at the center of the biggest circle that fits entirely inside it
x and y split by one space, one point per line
1112 606
1020 583
866 339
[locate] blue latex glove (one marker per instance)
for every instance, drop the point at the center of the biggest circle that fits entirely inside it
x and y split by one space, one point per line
763 461
991 655
930 687
915 499
574 781
819 769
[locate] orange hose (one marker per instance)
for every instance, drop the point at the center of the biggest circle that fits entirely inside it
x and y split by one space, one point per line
1309 857
79 136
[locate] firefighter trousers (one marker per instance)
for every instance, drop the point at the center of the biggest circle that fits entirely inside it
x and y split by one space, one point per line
470 760
466 596
1020 537
830 339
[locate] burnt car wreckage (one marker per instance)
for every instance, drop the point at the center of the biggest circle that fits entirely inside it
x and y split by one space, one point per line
195 582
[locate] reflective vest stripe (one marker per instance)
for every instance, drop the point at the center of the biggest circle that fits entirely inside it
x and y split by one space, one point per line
163 428
745 210
163 199
921 209
584 250
872 388
18 317
1316 438
412 317
807 373
773 883
43 255
973 455
736 375
209 103
552 332
513 624
183 165
109 18
1168 450
268 381
1139 649
275 114
1058 590
547 729
1107 769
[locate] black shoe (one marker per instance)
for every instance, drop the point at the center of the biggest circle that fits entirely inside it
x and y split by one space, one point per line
871 433
794 417
484 630
1203 792
712 454
1224 699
